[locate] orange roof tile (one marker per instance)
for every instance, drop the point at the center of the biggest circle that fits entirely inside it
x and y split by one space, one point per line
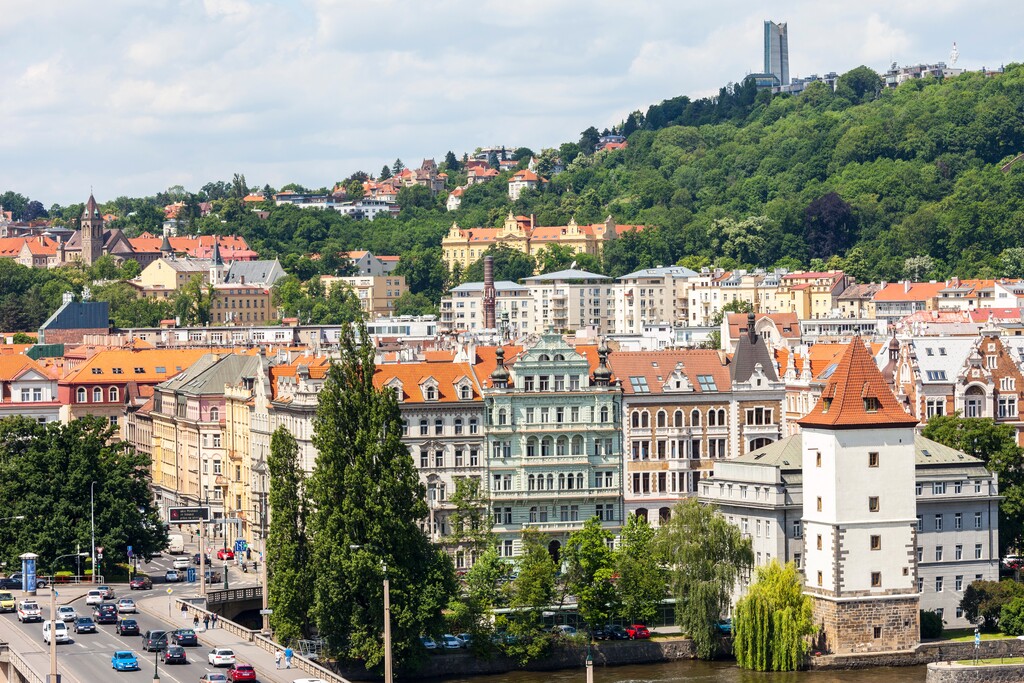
12 367
856 395
412 376
171 361
787 323
917 291
657 366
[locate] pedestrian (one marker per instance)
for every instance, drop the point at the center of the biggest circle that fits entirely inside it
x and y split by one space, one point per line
206 622
195 622
184 611
213 619
277 659
191 537
288 657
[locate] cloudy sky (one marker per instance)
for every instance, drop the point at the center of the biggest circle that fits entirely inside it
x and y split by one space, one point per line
133 96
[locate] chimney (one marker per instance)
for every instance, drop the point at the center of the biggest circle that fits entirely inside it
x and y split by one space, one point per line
241 279
489 321
906 286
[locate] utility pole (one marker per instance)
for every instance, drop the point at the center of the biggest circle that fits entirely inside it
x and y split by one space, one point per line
92 519
387 629
53 677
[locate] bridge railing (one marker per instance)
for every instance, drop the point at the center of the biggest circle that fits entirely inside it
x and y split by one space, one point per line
219 597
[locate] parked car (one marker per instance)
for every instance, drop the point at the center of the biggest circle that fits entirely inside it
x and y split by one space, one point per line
7 602
466 638
105 613
564 630
1013 562
93 597
127 627
57 630
185 637
66 613
225 554
242 672
450 642
213 678
428 643
85 625
172 576
181 563
124 660
637 632
610 632
206 559
126 606
212 576
28 610
221 656
724 627
14 581
10 583
152 641
108 592
175 654
141 583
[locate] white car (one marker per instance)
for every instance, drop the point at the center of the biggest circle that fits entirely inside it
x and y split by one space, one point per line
66 613
59 632
182 563
309 680
28 610
94 598
221 656
126 606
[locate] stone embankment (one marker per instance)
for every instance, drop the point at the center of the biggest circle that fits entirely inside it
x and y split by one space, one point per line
925 653
945 672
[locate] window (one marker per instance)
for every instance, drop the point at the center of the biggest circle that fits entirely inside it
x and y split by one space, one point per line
798 560
465 392
938 553
873 503
1007 407
877 631
958 583
507 548
707 382
798 531
936 375
958 521
639 384
819 541
502 417
424 461
459 457
876 542
112 394
935 406
918 488
920 554
424 429
872 459
977 520
958 487
920 584
819 578
97 395
938 522
920 523
876 579
817 459
977 551
82 395
543 383
819 503
938 488
438 458
959 550
431 394
528 383
438 426
938 584
872 404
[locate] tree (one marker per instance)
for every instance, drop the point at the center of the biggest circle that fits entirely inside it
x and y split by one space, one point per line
289 581
425 272
931 624
470 522
385 172
532 591
917 268
641 581
33 210
194 302
397 167
706 556
859 85
588 141
985 600
829 226
590 569
1011 617
1011 262
773 620
509 264
554 257
734 306
367 504
416 196
47 472
472 611
239 188
451 161
414 304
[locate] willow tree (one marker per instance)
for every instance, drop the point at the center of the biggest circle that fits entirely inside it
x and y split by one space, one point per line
772 622
706 557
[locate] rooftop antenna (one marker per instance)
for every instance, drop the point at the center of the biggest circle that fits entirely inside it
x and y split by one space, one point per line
954 55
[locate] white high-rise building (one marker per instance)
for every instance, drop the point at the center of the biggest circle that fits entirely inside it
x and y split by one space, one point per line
776 51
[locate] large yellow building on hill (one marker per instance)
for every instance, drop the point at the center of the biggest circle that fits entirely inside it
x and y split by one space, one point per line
466 246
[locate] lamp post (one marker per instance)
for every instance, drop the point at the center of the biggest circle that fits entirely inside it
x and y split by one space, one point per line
53 677
387 622
92 519
156 667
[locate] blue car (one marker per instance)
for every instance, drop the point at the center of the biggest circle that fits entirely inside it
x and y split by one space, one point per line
124 660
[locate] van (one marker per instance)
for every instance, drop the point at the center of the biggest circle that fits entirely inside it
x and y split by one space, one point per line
175 544
59 632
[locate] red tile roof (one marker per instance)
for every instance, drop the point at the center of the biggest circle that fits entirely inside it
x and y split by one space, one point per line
857 395
658 366
787 323
914 291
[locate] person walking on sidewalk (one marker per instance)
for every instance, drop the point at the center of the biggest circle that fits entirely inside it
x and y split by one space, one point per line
277 659
206 622
213 619
288 657
195 623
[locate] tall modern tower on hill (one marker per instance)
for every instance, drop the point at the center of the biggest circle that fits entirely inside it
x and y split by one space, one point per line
776 51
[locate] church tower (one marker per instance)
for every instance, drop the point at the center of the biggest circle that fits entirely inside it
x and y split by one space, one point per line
859 511
92 232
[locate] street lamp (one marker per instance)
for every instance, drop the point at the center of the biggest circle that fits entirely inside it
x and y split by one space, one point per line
53 619
92 519
387 621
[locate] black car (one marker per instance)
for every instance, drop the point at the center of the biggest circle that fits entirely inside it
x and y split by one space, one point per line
152 641
105 613
127 627
195 559
610 632
10 584
174 654
84 625
184 636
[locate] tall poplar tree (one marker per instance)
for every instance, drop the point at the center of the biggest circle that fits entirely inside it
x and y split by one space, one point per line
289 581
367 504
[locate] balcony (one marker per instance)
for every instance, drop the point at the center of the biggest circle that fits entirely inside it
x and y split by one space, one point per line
553 527
563 494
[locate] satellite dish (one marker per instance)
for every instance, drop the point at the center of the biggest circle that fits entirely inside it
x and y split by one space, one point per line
572 265
954 55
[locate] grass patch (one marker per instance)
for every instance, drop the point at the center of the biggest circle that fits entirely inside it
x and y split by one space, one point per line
963 635
989 662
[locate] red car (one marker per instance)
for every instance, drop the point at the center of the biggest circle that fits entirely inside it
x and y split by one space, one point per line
242 672
637 632
225 554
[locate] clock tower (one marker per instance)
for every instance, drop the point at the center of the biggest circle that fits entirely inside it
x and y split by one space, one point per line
92 232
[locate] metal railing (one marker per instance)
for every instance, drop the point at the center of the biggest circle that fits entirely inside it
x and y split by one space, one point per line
219 597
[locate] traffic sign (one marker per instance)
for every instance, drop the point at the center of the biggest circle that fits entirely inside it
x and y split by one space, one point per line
99 549
266 611
240 545
170 590
190 575
179 515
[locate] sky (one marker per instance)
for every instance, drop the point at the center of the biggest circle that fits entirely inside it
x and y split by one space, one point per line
130 97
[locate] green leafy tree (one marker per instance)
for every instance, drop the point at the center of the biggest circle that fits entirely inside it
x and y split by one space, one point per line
385 172
470 523
641 582
471 612
706 556
590 569
239 188
532 591
367 504
414 304
104 268
917 268
554 257
50 468
859 85
194 302
984 600
425 272
1011 262
509 264
588 140
397 167
289 581
931 625
1011 617
451 162
773 621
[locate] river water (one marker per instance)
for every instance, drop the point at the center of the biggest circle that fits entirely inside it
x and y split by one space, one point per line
702 672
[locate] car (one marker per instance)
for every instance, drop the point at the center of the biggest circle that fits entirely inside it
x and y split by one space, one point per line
213 678
172 576
10 583
141 583
466 638
84 625
610 632
16 578
175 654
127 627
58 630
181 563
124 660
221 656
93 597
225 554
242 672
563 630
428 643
108 592
185 637
638 632
154 641
28 610
724 627
105 613
7 602
450 642
206 559
1013 562
126 606
212 576
66 613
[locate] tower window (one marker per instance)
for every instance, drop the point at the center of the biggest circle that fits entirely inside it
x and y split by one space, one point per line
872 459
817 459
873 503
819 578
819 503
878 632
876 579
876 542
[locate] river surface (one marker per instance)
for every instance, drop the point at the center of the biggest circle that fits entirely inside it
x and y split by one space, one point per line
702 672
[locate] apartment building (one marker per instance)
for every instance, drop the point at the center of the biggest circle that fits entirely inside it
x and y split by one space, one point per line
462 309
376 293
571 300
652 296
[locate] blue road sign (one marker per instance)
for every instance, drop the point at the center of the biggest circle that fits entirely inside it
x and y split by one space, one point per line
240 545
129 552
190 575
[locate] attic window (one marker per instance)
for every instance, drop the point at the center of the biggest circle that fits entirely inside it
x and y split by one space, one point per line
160 369
825 404
936 375
117 371
639 384
707 382
97 371
928 351
140 371
872 404
942 350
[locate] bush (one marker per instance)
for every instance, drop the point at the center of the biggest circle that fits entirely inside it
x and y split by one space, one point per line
931 625
985 599
1011 617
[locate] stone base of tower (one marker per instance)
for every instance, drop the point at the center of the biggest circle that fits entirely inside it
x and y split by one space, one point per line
859 626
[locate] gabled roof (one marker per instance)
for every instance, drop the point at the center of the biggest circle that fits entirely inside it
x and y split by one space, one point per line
856 395
414 378
658 367
751 351
788 324
909 291
255 272
13 367
156 365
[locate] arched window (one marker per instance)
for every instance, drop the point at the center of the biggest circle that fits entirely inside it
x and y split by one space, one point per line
543 357
678 418
604 413
641 513
112 394
695 418
214 415
438 426
712 418
545 446
531 482
502 417
457 423
82 395
424 428
465 393
664 514
635 420
645 419
561 482
562 446
559 356
662 418
721 417
577 445
431 394
974 402
579 481
759 443
97 395
551 482
531 447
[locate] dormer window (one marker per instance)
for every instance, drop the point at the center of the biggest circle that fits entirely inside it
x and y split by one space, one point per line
429 389
872 404
826 403
430 394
